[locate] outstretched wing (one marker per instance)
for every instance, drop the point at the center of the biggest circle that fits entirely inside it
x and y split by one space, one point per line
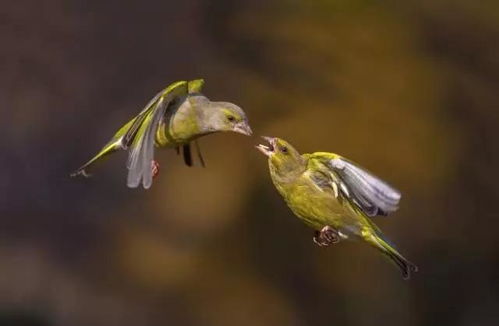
143 132
195 86
371 194
139 119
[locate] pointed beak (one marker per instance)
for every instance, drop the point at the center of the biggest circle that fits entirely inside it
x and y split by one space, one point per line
267 150
243 128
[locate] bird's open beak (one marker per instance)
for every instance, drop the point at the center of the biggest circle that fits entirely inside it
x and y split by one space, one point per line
243 128
267 150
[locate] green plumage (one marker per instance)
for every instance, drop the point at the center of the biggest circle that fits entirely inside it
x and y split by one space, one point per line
176 116
324 189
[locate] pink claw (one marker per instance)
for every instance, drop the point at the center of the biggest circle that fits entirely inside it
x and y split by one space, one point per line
155 168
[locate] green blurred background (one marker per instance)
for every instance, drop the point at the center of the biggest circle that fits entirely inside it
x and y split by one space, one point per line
408 88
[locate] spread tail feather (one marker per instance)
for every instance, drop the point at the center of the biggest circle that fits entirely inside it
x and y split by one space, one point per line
116 143
108 149
380 243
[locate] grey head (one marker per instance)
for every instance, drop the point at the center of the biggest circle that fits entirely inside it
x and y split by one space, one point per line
220 116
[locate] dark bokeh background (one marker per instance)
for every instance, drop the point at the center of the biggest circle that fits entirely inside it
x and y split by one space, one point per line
408 88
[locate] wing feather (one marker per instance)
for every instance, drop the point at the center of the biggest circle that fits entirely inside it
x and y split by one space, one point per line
142 149
369 192
349 181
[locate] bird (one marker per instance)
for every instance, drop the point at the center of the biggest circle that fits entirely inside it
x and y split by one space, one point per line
334 196
176 117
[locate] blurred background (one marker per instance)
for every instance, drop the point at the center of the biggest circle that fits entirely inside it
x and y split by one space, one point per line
407 88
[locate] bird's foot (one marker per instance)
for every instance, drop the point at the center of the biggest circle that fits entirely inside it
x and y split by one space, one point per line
155 168
327 236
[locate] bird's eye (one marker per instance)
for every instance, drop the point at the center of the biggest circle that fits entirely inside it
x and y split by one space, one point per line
284 149
231 118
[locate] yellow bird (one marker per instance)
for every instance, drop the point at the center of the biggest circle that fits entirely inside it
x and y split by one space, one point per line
334 196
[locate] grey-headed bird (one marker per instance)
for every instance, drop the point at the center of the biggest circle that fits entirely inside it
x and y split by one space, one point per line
176 117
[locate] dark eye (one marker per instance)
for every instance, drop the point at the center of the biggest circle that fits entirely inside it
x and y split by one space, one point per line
283 149
231 118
